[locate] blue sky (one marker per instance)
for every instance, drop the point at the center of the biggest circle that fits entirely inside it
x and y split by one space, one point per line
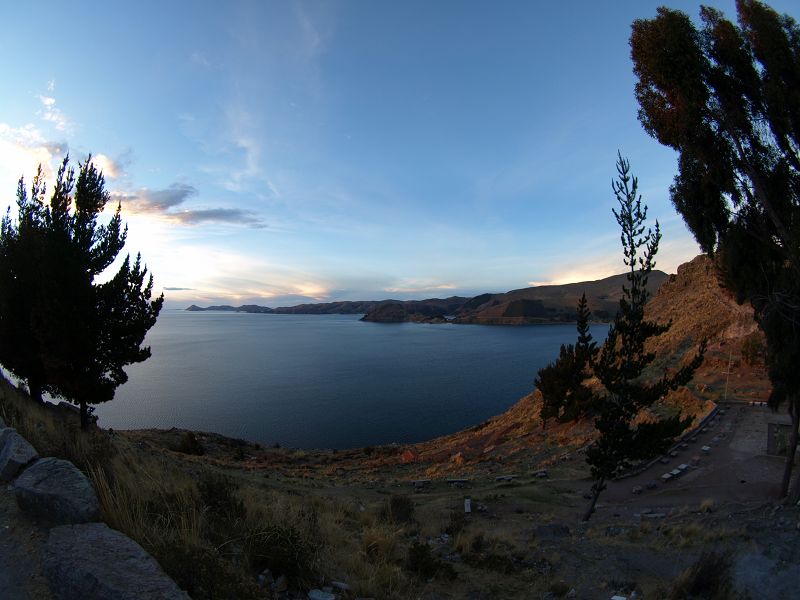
281 152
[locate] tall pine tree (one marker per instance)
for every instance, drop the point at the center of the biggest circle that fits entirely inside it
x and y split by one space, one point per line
21 255
624 358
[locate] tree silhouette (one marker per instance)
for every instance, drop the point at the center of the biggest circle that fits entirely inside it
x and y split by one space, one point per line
725 97
561 383
84 332
20 257
624 358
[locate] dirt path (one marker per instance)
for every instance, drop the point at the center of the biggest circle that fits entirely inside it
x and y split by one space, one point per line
21 543
735 469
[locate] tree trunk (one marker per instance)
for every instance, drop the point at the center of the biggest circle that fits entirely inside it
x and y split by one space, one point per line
598 487
791 449
35 390
84 416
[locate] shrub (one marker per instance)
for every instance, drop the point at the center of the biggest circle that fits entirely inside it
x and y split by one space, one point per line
203 573
456 523
753 348
189 444
282 548
709 578
422 562
399 509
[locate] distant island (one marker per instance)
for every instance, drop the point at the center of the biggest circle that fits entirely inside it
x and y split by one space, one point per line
526 306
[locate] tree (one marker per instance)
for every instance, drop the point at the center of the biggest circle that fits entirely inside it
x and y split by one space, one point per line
85 332
561 383
20 256
621 366
725 97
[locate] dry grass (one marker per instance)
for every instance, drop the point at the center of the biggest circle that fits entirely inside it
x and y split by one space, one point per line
211 532
708 505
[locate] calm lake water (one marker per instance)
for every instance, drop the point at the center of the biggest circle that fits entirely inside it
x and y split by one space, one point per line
328 381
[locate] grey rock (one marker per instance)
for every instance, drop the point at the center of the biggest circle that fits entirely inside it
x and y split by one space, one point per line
15 454
56 490
320 595
340 585
281 584
93 562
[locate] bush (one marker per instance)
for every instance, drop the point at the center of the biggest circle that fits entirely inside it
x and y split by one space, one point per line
753 348
203 573
189 444
283 549
710 578
456 523
423 563
399 509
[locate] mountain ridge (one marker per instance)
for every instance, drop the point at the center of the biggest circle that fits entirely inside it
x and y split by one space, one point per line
552 303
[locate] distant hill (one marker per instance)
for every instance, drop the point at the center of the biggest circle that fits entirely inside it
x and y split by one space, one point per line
430 307
550 303
540 304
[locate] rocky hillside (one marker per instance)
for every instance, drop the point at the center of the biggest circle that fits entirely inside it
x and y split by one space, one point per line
527 306
699 308
549 303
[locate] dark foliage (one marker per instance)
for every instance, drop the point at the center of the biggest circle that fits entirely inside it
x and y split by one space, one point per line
624 358
76 335
424 564
710 578
399 509
561 383
189 444
724 96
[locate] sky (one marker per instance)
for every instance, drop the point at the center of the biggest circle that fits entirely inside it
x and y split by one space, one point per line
285 152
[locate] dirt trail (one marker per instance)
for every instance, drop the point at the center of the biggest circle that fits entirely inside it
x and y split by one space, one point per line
21 544
735 469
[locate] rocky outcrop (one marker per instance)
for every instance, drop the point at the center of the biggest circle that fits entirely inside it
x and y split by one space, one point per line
92 561
15 453
56 490
86 561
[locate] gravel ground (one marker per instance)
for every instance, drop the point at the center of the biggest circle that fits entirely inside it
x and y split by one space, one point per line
21 543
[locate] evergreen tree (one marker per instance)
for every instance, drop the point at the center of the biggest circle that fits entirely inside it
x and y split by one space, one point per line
725 97
564 396
621 366
20 257
85 332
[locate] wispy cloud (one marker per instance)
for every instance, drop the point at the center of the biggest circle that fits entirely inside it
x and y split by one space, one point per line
51 113
22 150
200 59
417 287
166 204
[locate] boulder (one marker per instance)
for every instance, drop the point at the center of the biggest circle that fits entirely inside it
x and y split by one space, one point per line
15 454
56 490
93 562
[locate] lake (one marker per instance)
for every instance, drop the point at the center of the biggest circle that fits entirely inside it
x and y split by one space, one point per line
328 381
